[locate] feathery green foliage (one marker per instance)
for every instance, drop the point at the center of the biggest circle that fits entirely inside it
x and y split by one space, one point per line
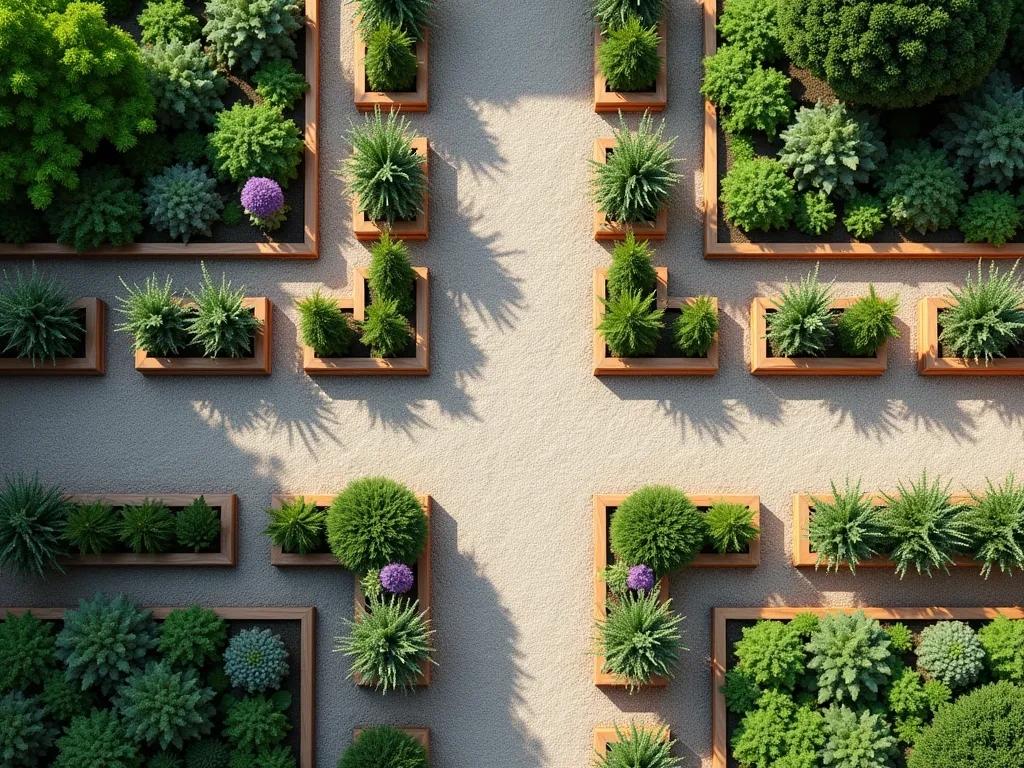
751 24
411 15
867 324
637 177
640 638
991 217
297 527
219 322
25 735
851 657
694 330
632 269
279 84
245 33
725 74
631 325
256 660
64 699
255 140
97 741
191 147
758 194
922 188
150 155
659 527
207 753
192 636
1003 641
26 651
985 318
183 201
730 526
376 521
185 82
950 652
32 522
385 330
846 529
741 691
996 523
772 653
147 527
901 639
256 722
639 748
384 746
164 20
857 739
165 706
616 576
197 526
815 213
923 527
629 59
864 216
93 528
324 327
391 62
156 320
391 276
908 703
805 624
37 320
104 209
802 323
616 13
388 644
777 733
762 103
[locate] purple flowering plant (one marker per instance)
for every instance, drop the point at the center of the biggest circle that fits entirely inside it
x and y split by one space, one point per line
263 200
641 578
396 578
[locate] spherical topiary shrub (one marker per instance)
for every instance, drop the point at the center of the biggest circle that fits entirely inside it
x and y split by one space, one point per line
183 201
376 521
950 652
660 527
889 53
256 660
758 194
255 140
772 653
922 188
982 728
384 747
263 200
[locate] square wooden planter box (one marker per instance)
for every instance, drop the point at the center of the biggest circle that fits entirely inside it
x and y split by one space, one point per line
720 617
93 363
422 735
605 504
258 364
930 364
632 101
605 736
607 365
378 366
225 503
307 662
417 100
610 230
419 229
803 557
762 364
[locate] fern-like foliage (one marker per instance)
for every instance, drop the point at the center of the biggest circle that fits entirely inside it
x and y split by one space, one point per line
185 82
220 323
25 733
197 526
245 33
256 723
165 20
154 317
33 518
802 323
192 636
857 739
990 217
640 638
923 527
93 528
391 276
147 527
751 24
164 706
298 526
391 62
922 188
26 651
629 58
645 747
279 84
846 529
323 326
851 657
104 209
694 330
616 13
183 201
411 15
385 330
867 324
772 653
255 140
730 526
388 644
631 325
997 526
985 317
37 320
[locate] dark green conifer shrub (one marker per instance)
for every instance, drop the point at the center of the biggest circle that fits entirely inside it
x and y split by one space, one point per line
802 323
996 523
616 13
147 527
985 318
857 739
751 24
37 320
846 529
392 277
694 330
923 527
388 644
197 526
19 223
207 753
93 528
183 201
191 147
96 740
255 140
385 330
632 269
185 82
815 213
762 103
758 194
384 746
991 217
411 15
922 188
105 209
867 324
659 527
325 328
192 636
24 732
864 216
772 654
730 527
26 651
279 84
629 59
64 699
851 656
151 154
950 652
631 325
164 706
32 522
256 722
245 33
165 20
391 61
639 747
219 322
154 317
640 638
1003 641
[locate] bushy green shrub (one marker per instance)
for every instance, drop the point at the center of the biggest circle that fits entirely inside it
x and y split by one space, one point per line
851 656
37 320
778 733
950 652
908 704
385 172
197 526
659 527
762 103
207 753
996 523
901 639
279 84
857 739
890 54
376 521
741 691
192 636
867 324
388 644
815 213
233 213
758 194
255 140
47 59
616 13
191 147
98 741
922 188
256 660
150 155
984 727
183 201
725 74
384 746
26 651
772 653
730 526
631 325
636 179
805 624
991 217
985 133
93 528
1003 641
185 82
391 276
742 147
984 319
640 638
846 529
923 527
219 322
801 323
694 330
155 319
25 735
104 641
751 24
411 15
32 521
164 706
164 20
864 216
325 328
19 223
629 59
1015 39
632 269
639 747
64 699
147 527
256 722
385 330
105 209
616 576
391 61
245 33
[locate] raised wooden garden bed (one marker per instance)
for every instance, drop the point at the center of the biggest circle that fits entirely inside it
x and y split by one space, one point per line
258 364
764 364
803 557
305 652
417 100
720 650
607 365
605 505
225 553
418 229
929 359
605 736
417 365
422 735
91 361
611 230
632 101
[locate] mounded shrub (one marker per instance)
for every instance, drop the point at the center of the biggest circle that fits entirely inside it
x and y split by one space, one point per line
857 739
758 194
629 58
950 652
97 739
991 217
26 651
183 201
391 276
851 656
693 333
279 84
725 74
632 270
815 213
864 216
255 140
325 328
772 653
147 528
752 25
1003 641
922 188
867 324
192 636
384 746
385 330
257 723
165 20
197 526
730 526
24 732
105 209
185 82
762 103
256 660
166 707
245 33
659 527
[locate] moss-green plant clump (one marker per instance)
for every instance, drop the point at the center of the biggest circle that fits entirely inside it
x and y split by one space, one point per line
279 84
990 217
815 213
867 324
104 209
255 140
922 188
245 33
659 527
864 216
772 654
758 194
629 59
324 327
166 20
384 746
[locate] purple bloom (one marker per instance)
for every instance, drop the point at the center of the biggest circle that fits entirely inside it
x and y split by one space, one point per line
396 578
262 197
640 579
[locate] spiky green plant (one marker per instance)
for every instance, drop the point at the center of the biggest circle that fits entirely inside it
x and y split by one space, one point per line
385 173
25 734
851 656
632 269
156 320
197 526
411 15
33 518
219 322
996 522
694 330
857 739
165 706
26 651
391 276
37 320
772 653
923 527
147 527
323 326
298 526
802 323
867 324
391 62
384 746
985 317
385 330
93 528
730 526
950 652
659 527
629 59
631 325
192 636
615 13
637 177
639 748
640 638
388 644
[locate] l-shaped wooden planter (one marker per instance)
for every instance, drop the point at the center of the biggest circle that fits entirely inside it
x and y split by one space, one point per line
422 735
258 364
607 365
929 361
605 505
305 616
605 736
763 364
94 348
612 230
419 365
416 100
720 651
226 555
632 101
367 229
